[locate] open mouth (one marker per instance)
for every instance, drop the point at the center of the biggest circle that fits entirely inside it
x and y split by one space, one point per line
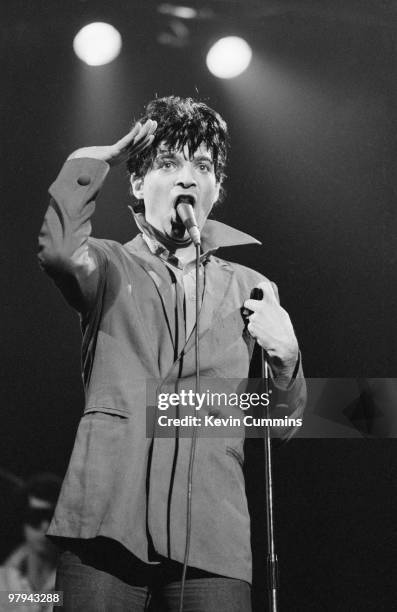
178 229
186 198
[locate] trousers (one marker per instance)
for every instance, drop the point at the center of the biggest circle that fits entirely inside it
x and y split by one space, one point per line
102 576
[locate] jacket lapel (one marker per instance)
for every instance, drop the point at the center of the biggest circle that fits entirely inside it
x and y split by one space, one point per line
160 277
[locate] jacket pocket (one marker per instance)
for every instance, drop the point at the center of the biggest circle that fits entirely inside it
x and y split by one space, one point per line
106 410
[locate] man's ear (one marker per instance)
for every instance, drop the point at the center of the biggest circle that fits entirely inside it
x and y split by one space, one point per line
137 186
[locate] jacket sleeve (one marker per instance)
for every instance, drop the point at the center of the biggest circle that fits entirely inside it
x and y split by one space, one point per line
288 400
65 251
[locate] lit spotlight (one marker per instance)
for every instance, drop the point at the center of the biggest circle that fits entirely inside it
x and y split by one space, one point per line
97 44
229 57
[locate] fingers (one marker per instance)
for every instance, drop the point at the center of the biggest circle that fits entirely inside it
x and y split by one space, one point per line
268 291
140 146
146 130
144 137
252 329
153 127
140 136
135 130
128 138
268 296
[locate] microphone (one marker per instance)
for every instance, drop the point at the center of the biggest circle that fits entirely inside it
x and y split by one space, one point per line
186 214
256 294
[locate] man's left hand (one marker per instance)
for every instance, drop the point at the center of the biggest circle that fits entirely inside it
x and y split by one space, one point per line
271 327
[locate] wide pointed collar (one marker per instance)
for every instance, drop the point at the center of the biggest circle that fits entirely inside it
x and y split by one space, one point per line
214 235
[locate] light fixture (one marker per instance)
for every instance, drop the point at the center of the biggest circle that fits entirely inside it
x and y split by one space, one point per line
97 44
229 57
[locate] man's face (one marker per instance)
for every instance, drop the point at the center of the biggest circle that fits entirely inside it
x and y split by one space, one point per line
176 174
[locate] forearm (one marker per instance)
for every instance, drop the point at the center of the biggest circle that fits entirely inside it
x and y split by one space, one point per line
64 248
64 251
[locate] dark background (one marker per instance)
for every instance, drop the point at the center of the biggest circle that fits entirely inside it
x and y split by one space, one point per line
311 174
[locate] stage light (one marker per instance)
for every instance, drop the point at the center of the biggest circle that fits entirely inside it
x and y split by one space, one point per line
97 44
229 57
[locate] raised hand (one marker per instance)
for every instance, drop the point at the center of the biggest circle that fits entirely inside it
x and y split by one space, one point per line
140 137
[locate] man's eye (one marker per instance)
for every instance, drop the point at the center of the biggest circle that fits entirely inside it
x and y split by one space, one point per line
204 167
167 164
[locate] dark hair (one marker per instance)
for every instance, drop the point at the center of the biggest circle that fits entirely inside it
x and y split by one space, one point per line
180 122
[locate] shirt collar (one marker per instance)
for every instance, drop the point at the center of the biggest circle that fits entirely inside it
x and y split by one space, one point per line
216 234
213 236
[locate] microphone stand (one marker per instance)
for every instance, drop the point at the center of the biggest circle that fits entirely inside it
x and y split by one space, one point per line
194 435
185 211
272 562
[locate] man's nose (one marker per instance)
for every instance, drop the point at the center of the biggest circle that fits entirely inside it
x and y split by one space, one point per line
185 178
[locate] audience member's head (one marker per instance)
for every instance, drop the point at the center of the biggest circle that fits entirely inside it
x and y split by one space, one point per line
40 495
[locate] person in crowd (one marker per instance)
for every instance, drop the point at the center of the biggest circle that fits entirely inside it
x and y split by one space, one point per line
31 567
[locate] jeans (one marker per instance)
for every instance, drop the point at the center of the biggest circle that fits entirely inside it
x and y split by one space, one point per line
102 576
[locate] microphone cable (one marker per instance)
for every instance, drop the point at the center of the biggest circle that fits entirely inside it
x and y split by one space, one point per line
194 437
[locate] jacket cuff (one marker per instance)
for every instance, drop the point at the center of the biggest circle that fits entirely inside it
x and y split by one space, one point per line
297 373
79 177
291 399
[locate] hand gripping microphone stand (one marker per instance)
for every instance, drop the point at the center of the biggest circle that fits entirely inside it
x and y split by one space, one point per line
272 563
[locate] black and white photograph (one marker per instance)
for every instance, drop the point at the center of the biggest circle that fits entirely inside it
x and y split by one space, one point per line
199 262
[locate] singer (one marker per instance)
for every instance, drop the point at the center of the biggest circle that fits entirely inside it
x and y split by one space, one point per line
121 516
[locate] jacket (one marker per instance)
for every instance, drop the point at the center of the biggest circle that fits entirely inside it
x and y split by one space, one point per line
122 482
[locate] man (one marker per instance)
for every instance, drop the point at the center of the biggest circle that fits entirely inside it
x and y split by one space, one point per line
122 510
31 567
